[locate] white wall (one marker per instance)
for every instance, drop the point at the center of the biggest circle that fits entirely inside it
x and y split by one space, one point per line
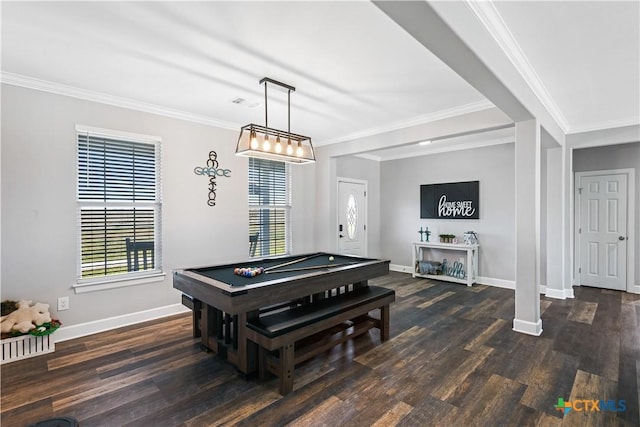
620 156
39 202
366 170
400 205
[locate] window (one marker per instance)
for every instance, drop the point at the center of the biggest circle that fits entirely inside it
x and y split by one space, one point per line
269 205
118 205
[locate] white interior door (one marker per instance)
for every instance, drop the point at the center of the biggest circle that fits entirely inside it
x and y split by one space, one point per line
603 231
352 214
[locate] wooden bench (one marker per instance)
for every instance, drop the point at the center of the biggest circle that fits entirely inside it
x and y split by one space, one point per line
281 330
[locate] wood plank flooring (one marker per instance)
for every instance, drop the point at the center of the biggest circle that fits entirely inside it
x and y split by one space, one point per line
452 360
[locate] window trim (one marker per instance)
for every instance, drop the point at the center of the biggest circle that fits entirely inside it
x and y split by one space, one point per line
82 285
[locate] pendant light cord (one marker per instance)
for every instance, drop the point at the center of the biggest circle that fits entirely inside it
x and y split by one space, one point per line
266 116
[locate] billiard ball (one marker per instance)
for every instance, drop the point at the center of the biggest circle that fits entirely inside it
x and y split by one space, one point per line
330 258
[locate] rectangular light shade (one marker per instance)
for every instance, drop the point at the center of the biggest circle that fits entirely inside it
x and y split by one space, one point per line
300 151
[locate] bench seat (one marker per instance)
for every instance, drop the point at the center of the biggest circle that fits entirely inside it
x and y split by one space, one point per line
280 330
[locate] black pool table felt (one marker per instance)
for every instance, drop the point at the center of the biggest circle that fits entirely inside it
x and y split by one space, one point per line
226 275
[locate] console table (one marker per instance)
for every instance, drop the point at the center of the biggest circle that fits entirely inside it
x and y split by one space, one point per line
422 249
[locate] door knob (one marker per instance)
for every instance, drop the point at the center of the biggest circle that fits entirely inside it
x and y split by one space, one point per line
341 236
621 238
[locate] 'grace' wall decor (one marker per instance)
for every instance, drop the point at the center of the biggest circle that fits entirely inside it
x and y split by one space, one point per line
213 171
456 200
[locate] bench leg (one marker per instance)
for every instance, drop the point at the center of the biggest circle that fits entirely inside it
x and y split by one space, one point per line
384 323
262 363
286 369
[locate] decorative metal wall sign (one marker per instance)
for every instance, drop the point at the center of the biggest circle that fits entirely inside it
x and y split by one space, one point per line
456 200
213 171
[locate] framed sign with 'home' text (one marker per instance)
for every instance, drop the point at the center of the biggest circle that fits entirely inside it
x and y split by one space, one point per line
456 200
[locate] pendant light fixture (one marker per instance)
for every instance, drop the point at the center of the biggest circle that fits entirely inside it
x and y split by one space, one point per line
273 144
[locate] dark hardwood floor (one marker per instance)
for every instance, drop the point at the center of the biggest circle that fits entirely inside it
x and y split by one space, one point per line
453 360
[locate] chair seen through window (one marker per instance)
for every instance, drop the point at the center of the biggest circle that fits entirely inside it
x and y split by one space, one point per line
137 250
253 244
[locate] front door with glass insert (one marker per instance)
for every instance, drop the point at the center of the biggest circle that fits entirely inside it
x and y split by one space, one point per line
352 207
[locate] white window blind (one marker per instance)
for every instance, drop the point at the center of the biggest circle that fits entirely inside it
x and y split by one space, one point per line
118 206
269 205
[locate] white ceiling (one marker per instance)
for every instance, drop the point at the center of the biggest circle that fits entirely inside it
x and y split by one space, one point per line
356 72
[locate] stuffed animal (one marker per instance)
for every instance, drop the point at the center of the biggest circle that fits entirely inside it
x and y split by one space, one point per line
26 317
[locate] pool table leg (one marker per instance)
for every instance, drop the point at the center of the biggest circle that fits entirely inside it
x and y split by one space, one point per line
196 319
247 350
206 324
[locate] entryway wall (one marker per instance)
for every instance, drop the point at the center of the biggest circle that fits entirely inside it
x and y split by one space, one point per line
620 156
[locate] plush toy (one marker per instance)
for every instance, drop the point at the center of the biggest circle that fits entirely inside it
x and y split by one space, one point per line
26 317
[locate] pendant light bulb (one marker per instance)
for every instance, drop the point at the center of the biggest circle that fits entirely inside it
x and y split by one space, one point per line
266 145
289 148
254 140
278 145
299 149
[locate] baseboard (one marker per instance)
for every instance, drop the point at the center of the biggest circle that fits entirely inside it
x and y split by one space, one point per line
498 283
559 293
400 268
83 329
634 289
527 327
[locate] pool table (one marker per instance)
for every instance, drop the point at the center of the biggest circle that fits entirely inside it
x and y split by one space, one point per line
225 301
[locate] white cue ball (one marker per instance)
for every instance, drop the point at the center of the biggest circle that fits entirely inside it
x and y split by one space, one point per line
330 258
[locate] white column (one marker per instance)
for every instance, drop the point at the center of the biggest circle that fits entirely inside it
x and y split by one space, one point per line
527 162
555 223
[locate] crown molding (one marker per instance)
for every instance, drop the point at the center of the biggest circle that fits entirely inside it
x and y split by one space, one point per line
103 98
491 19
610 124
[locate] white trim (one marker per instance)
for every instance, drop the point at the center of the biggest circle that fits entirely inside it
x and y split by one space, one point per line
498 283
103 98
102 325
558 293
631 285
599 143
491 19
610 124
109 133
81 288
420 120
400 268
365 233
527 327
489 281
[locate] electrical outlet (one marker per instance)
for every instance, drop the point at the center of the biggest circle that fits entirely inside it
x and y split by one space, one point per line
63 303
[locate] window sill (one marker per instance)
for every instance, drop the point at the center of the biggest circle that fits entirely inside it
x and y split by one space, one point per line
102 285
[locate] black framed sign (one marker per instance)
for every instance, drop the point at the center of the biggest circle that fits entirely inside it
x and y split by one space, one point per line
455 200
